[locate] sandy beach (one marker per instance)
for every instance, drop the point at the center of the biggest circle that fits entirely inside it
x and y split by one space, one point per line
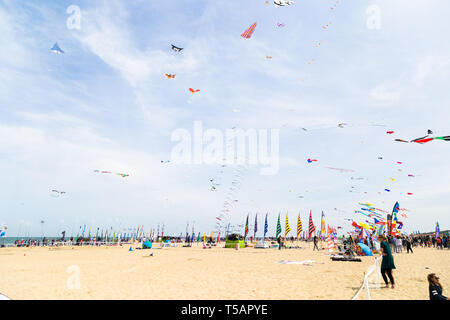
196 273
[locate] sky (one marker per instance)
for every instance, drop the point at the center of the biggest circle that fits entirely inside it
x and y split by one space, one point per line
105 104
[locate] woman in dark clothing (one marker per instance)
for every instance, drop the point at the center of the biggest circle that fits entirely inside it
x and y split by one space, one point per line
435 288
408 246
387 264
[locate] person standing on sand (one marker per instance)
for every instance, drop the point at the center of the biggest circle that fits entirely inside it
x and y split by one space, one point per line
315 244
408 246
435 288
387 264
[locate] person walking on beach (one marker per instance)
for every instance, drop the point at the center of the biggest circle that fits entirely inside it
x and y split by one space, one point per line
435 288
315 244
408 246
387 263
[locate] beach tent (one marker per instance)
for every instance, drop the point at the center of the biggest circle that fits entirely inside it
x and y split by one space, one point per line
262 245
365 249
147 245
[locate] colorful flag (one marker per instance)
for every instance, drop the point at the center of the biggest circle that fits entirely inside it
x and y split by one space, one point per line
312 228
287 228
256 226
322 227
204 237
218 238
299 226
278 227
437 230
266 227
246 227
248 33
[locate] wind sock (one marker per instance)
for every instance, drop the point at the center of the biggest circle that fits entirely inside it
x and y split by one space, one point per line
287 228
299 226
266 227
312 228
246 227
248 33
278 227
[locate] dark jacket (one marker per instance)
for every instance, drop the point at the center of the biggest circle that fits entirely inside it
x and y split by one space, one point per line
436 293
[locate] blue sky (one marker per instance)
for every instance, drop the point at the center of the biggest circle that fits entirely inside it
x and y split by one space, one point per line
105 104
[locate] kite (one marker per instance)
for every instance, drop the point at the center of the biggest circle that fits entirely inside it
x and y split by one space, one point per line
411 175
392 179
311 160
401 140
282 3
341 125
317 45
170 76
326 26
340 169
248 33
123 175
280 24
380 158
399 162
57 49
193 91
176 49
387 190
389 132
165 161
268 57
409 193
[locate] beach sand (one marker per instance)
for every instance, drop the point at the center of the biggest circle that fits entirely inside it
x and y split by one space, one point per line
196 273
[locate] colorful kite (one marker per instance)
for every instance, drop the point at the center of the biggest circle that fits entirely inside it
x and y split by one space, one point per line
193 91
280 24
311 160
248 33
170 76
57 49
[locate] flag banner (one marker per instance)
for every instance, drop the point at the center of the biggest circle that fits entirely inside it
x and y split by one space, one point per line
266 226
299 226
287 227
278 227
312 228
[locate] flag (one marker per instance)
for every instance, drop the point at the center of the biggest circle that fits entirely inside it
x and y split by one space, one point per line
204 237
278 227
287 228
248 33
246 227
299 226
322 226
436 230
198 238
312 228
256 226
218 238
266 226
